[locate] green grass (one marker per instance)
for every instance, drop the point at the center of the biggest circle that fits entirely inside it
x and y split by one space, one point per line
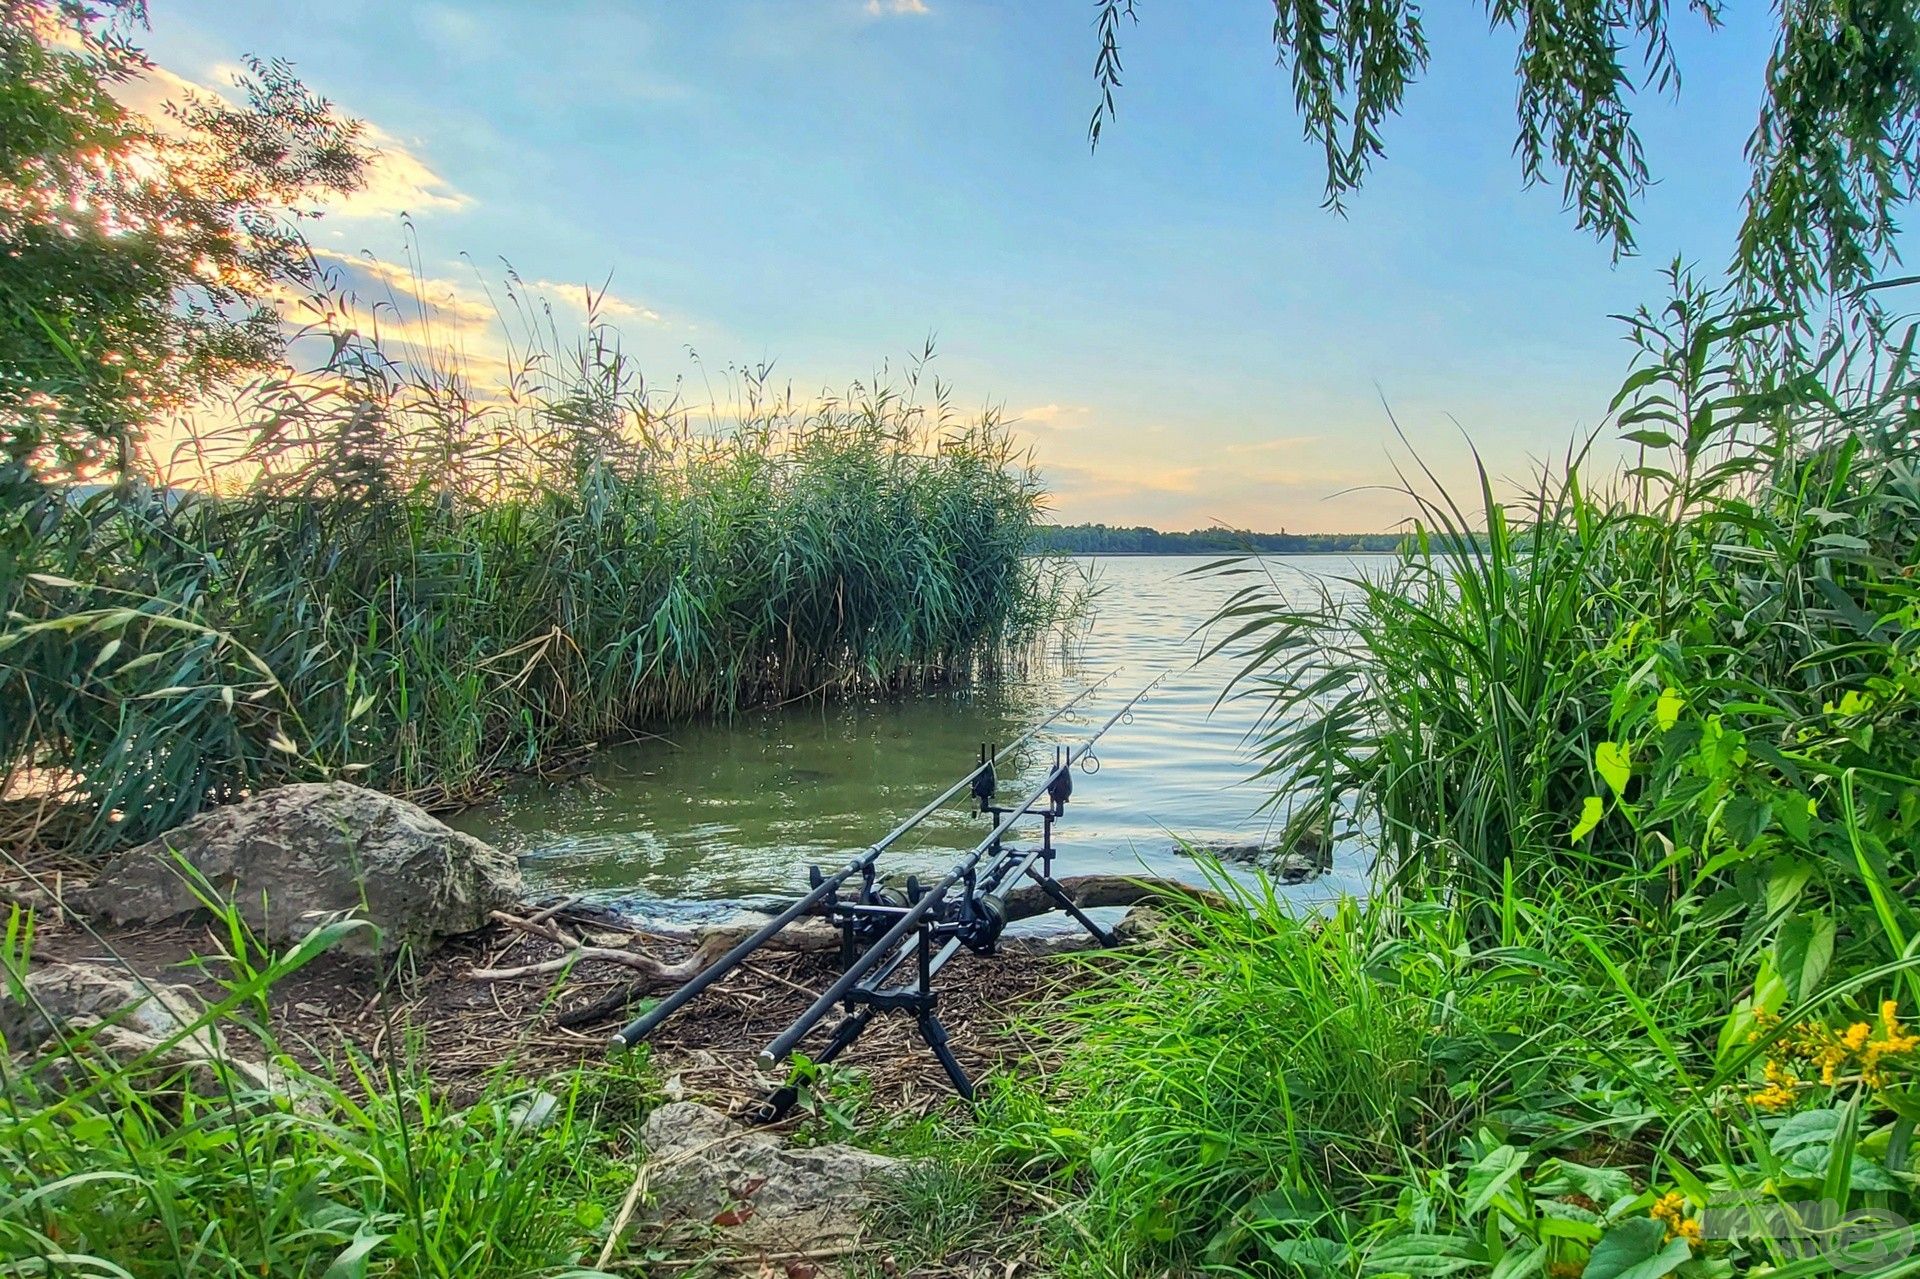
131 1166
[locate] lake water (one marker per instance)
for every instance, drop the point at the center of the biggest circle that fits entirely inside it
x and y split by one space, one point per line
712 814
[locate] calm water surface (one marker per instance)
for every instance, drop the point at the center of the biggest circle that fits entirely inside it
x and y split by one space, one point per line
713 814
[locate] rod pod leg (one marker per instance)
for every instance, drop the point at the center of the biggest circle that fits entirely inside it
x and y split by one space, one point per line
1052 888
936 1036
849 1029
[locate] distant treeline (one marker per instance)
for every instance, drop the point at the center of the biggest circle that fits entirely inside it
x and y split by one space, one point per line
1105 539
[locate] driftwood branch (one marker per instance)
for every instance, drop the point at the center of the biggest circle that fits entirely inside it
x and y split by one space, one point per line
1088 892
572 951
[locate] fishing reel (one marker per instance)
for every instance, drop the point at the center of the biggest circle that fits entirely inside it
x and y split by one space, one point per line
873 909
980 930
892 897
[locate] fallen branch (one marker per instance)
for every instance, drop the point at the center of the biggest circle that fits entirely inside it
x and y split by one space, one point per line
564 903
1088 892
572 952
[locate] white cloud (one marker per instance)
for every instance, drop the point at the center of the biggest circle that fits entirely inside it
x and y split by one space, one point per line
1279 444
1058 417
398 181
897 8
607 304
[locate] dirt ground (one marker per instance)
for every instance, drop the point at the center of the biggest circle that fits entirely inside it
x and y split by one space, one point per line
462 1027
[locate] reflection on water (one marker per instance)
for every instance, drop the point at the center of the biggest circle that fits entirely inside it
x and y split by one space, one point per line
728 810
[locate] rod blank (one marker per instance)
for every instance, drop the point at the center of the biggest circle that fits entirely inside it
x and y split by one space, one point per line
632 1033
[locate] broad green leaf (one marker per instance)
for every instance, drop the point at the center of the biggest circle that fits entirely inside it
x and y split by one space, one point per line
1313 1254
1745 818
1805 1128
1602 1185
1666 711
1614 762
1592 809
1786 882
1636 1248
1521 1262
1803 951
1417 1254
1490 1174
352 1261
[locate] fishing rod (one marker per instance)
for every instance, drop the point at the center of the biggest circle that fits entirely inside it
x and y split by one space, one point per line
980 777
974 920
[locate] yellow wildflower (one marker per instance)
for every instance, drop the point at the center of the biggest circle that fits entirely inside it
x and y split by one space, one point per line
1670 1210
1895 1039
1779 1092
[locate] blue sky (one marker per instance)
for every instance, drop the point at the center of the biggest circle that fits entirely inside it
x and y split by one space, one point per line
1184 332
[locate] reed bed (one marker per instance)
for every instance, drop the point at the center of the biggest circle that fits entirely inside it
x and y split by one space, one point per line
382 569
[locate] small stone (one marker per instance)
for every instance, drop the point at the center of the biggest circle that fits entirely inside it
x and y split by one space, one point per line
1294 860
57 995
69 1021
533 1113
761 1192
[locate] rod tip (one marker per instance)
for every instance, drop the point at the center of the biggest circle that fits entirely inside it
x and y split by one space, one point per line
766 1061
617 1044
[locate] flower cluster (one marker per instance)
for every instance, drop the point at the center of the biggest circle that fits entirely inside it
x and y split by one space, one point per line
1779 1092
1858 1053
1671 1211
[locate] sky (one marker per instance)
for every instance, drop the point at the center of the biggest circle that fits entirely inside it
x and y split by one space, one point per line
1174 322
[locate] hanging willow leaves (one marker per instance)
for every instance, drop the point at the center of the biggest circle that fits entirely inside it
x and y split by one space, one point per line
1835 152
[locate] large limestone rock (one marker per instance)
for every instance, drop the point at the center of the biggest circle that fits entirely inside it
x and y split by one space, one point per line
707 1170
298 856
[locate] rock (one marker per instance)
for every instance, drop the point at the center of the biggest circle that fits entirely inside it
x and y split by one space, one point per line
534 1112
1295 868
105 1015
45 906
760 1191
58 995
299 856
152 1064
1294 861
1143 926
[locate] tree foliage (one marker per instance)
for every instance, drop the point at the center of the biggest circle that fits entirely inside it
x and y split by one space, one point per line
1835 152
139 258
1103 539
